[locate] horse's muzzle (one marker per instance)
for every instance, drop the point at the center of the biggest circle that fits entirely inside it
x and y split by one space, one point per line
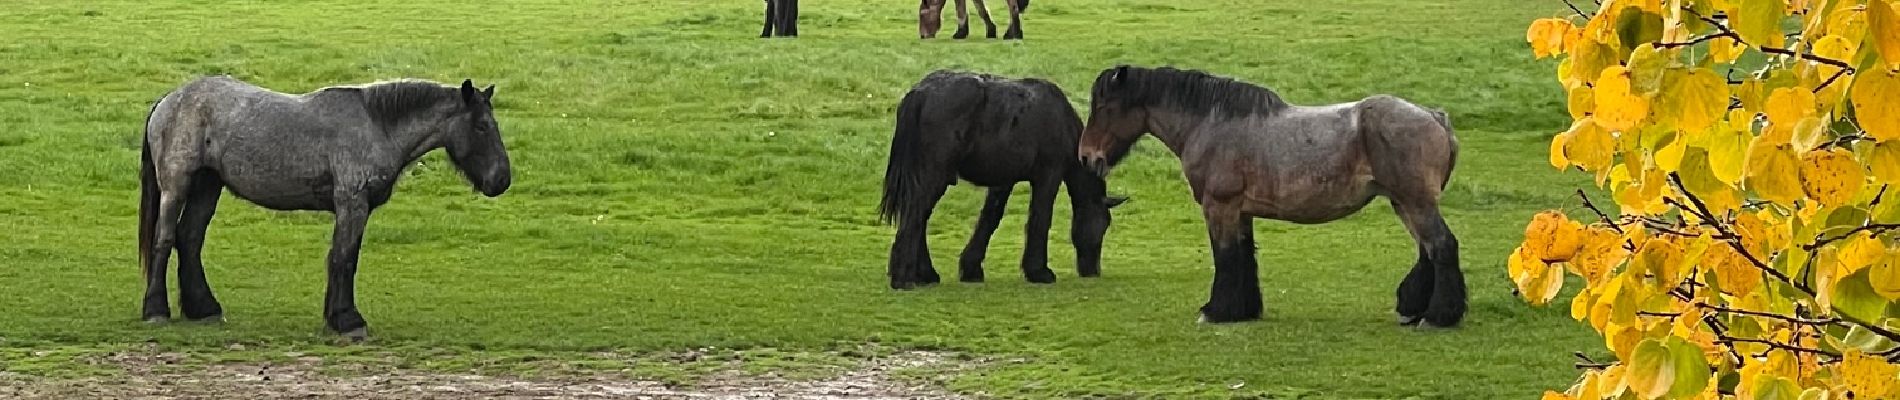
1095 162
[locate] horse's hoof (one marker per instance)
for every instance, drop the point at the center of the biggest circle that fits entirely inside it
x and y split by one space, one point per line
158 320
357 335
1406 320
1039 275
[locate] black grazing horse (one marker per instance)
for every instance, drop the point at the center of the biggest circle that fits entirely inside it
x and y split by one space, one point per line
338 149
993 132
781 18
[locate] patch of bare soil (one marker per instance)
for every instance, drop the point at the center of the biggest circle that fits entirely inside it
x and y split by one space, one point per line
152 375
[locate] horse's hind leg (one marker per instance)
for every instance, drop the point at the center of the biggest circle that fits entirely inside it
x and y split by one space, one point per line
1036 246
970 265
1446 305
989 27
1415 293
1015 20
194 293
171 202
910 264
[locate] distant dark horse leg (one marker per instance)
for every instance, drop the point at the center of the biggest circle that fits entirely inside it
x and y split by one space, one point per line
989 27
770 17
194 293
970 265
339 298
1236 292
1415 292
963 21
910 255
1015 20
788 18
929 18
1036 244
1446 304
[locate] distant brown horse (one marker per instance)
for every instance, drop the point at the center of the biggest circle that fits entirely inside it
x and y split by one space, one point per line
1248 154
930 19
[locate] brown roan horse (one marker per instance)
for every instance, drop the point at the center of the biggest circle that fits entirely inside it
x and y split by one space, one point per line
1248 154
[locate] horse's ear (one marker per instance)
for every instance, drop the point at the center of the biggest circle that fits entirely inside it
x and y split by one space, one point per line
489 92
468 90
1120 71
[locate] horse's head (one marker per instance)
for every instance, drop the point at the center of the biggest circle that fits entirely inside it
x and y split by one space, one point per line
474 142
1117 117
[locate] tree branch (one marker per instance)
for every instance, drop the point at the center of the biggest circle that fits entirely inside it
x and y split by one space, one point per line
1702 211
1796 320
1580 13
1830 79
1663 45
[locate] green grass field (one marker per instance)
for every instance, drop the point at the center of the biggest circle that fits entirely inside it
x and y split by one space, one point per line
680 183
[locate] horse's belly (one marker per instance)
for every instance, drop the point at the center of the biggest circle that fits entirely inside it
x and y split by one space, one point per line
285 195
1313 202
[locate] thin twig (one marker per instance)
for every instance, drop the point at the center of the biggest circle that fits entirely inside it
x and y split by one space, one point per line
1830 79
1797 320
1663 45
1872 229
1778 345
1580 13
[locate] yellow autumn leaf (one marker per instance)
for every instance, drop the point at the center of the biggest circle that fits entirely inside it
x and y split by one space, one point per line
1753 94
1727 149
1553 237
1858 251
1724 50
1557 158
1669 157
1885 277
1758 21
1883 28
1772 171
1602 251
1589 145
1580 304
1847 22
1867 376
1582 100
1537 281
1589 56
1651 371
1831 176
1552 395
1647 64
1884 160
1789 105
1835 47
1618 108
1876 96
1693 99
1546 36
1734 273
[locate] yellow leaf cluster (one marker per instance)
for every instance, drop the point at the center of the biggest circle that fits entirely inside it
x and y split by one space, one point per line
1748 147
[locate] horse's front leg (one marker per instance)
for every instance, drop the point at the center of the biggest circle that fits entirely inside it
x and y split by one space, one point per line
339 299
771 16
1015 20
1036 244
989 27
970 264
1236 292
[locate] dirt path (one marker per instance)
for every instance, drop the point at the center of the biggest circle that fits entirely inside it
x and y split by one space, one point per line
147 376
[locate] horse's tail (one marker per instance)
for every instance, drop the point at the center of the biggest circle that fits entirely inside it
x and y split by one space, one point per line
148 189
903 183
1445 122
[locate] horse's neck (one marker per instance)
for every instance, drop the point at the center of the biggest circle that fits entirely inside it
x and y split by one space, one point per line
414 137
1176 128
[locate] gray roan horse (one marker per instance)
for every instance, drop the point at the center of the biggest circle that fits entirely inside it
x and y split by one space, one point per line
993 132
338 149
1247 154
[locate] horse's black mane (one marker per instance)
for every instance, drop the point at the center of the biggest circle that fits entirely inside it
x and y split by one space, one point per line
391 100
1190 90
